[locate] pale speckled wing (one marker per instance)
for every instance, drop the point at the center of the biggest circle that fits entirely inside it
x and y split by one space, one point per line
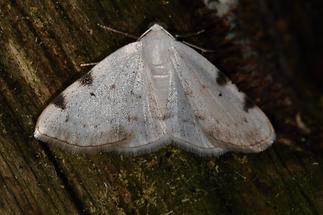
109 108
213 115
182 123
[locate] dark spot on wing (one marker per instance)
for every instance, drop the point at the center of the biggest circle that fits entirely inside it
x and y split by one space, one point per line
86 79
92 94
199 116
113 86
245 120
220 94
166 116
188 92
60 102
188 121
221 79
248 104
132 118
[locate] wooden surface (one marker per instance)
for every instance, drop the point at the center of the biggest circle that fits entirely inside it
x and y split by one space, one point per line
42 44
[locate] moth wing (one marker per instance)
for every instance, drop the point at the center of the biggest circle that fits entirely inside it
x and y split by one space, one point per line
220 115
183 125
109 108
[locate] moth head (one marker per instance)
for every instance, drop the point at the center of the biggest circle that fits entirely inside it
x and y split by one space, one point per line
155 27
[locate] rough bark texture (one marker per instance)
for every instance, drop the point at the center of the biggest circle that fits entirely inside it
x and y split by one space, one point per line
268 48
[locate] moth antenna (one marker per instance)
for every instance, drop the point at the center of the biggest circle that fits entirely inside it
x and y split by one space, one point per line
117 31
197 33
203 50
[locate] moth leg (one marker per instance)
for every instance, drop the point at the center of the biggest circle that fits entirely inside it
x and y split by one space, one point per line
88 64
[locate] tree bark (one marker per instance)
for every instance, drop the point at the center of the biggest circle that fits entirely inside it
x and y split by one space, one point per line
265 47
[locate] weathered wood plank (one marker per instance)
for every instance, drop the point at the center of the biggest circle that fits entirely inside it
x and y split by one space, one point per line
42 45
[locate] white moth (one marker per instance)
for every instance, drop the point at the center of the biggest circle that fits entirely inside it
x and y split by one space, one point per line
151 93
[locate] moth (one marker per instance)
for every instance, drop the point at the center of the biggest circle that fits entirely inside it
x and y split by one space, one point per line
151 93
